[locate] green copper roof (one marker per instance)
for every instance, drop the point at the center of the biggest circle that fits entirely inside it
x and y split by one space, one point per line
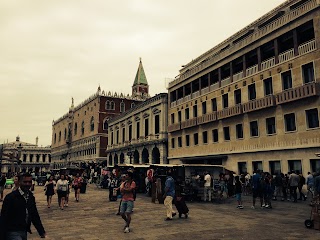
140 76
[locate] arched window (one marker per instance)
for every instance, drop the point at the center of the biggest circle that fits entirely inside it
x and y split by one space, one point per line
132 105
82 128
105 124
55 138
92 124
108 107
59 136
112 106
122 107
75 128
65 134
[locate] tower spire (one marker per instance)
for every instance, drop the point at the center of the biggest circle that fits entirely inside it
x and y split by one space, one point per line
140 86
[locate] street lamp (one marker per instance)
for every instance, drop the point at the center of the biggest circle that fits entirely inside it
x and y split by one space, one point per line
130 153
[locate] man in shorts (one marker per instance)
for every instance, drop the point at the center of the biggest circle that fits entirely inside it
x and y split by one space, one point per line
127 190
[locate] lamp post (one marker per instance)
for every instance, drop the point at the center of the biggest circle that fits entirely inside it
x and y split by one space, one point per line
130 153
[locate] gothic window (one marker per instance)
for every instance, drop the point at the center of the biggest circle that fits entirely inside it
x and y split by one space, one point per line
59 136
82 128
122 107
108 107
132 105
112 106
55 138
105 124
65 134
75 128
92 124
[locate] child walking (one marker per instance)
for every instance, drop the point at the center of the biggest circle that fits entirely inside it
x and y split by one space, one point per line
238 191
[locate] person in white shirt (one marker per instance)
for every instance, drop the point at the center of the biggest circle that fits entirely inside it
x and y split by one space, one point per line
207 187
62 189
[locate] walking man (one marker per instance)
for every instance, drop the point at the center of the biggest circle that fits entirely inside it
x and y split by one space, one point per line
294 182
168 196
19 210
127 190
207 186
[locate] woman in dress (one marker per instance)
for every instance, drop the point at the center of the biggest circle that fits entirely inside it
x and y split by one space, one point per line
77 182
62 188
49 188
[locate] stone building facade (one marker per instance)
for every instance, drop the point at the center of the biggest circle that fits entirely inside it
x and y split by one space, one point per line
252 102
33 157
139 136
81 135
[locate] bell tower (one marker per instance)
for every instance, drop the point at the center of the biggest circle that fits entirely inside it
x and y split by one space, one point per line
140 88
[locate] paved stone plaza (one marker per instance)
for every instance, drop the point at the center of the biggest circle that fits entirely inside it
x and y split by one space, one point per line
94 218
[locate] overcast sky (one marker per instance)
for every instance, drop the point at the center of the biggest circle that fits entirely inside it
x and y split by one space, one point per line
53 50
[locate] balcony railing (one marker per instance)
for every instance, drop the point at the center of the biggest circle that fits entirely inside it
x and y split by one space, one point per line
204 90
173 104
257 104
268 63
189 123
196 94
229 112
210 117
308 90
307 47
214 86
237 76
180 101
286 56
187 98
174 127
225 81
252 70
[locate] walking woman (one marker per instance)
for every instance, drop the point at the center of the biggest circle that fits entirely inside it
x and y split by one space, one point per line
77 182
49 190
62 188
68 191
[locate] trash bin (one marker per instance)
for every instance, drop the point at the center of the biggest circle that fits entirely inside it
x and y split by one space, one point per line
83 187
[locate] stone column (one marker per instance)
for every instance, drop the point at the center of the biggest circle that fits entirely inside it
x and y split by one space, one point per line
219 76
244 65
231 72
276 50
295 42
259 58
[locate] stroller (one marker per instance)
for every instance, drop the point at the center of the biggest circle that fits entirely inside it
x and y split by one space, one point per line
314 220
181 206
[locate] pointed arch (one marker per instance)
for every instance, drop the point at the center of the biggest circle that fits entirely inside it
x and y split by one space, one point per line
122 158
110 160
116 159
136 157
145 156
75 128
122 107
155 156
112 105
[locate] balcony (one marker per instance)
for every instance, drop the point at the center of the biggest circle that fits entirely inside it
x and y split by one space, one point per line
196 94
189 123
205 90
229 112
225 81
174 127
187 98
214 86
308 90
237 76
268 63
210 117
257 104
286 56
252 70
307 47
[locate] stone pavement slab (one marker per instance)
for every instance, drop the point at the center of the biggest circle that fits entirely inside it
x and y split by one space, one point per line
94 218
